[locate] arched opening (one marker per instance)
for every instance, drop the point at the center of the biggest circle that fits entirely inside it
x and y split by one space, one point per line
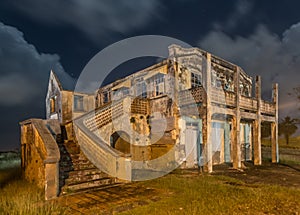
120 140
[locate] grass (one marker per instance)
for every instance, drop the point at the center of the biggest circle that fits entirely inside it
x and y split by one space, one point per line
190 194
288 154
19 197
289 162
182 194
293 143
219 195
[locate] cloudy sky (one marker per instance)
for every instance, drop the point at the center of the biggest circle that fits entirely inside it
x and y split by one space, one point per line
262 36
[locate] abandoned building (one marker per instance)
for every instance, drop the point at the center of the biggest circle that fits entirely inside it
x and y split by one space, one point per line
192 109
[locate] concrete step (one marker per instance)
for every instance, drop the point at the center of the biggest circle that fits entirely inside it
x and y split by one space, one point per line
70 150
74 162
70 192
77 187
73 167
77 173
74 179
91 171
81 173
68 156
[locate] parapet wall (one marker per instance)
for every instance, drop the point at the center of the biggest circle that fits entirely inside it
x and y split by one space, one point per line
40 154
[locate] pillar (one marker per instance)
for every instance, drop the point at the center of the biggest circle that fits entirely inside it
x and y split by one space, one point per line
207 119
257 124
227 142
236 140
274 127
51 180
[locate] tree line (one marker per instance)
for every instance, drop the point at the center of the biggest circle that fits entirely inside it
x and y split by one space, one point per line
287 126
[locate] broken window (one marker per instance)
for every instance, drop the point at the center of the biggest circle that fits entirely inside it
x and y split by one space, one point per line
195 80
105 97
52 104
159 82
120 93
78 103
141 89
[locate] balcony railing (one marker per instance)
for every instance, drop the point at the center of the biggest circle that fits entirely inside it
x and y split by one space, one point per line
225 98
248 103
267 107
192 96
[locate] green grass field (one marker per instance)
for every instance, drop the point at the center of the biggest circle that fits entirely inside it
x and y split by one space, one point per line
293 143
200 194
19 197
219 195
190 194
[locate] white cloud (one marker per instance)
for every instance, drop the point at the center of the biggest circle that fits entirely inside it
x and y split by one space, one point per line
94 18
24 71
275 58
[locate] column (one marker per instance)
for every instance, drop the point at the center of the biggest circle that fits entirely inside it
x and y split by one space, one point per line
257 124
274 127
236 147
227 142
207 119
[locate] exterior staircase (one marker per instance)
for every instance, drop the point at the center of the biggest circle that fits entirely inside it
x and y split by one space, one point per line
112 161
99 152
77 173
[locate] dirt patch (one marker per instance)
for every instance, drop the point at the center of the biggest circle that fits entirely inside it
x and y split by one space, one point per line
268 173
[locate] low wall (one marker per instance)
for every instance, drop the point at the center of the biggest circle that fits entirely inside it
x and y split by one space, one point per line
40 154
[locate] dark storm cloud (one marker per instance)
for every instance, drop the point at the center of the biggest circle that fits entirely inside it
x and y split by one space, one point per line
92 17
23 71
24 74
276 58
241 9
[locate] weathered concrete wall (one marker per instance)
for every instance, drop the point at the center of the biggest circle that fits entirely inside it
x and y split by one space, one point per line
40 155
54 93
88 105
67 106
67 102
63 100
32 162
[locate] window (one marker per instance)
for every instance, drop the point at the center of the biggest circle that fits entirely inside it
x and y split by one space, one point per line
141 89
78 103
52 85
105 97
195 80
52 105
120 93
125 91
159 83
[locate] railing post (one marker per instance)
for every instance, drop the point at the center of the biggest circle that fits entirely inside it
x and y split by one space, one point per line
257 123
274 127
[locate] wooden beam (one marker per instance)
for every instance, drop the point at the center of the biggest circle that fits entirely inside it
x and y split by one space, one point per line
222 110
268 118
247 115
